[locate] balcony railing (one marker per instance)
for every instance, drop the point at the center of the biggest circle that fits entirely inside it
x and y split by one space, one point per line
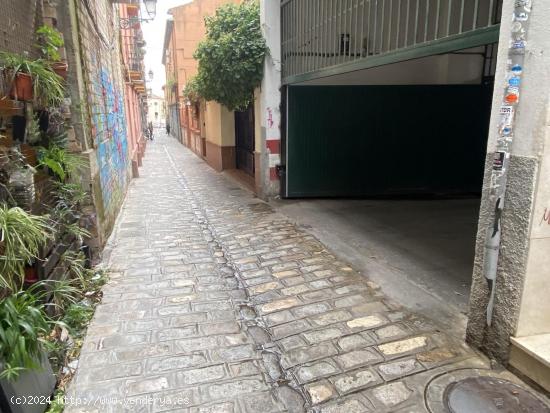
135 62
322 34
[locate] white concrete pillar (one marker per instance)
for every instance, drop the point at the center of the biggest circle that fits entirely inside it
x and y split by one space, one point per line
268 154
522 283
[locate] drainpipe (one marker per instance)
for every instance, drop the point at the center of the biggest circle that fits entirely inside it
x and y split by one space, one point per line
516 55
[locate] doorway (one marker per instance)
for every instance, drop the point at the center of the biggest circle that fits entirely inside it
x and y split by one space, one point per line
244 140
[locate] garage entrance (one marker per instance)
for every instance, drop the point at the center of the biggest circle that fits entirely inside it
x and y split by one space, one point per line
391 177
386 140
387 117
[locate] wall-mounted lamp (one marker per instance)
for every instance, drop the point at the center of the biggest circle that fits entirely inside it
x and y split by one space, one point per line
150 9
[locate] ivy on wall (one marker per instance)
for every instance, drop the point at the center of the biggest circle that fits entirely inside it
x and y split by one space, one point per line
231 56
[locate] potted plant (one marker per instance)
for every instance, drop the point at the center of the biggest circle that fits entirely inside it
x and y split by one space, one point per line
24 367
172 84
32 79
21 237
50 43
31 273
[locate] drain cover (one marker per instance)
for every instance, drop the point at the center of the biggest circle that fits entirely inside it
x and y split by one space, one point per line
491 395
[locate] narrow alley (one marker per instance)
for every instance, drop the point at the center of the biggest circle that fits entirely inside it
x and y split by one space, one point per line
217 303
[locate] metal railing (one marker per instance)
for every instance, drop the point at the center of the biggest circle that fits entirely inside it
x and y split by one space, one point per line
318 34
132 42
135 62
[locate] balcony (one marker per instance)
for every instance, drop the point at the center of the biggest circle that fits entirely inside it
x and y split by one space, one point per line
329 37
135 66
133 53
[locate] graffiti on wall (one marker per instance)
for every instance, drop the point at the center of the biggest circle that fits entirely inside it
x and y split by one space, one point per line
109 127
106 106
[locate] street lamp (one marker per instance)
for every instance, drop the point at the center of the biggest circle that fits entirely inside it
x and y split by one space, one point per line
150 9
150 74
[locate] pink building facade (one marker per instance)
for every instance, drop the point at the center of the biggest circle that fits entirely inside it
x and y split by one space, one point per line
131 38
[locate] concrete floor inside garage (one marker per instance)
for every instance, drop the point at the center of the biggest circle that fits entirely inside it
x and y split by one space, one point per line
420 252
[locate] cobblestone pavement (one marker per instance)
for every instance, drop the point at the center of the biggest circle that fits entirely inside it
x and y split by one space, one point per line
217 303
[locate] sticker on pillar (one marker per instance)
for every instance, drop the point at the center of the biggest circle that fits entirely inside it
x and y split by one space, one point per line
523 4
504 144
498 160
506 131
516 27
521 17
511 98
514 81
518 47
506 116
517 69
496 181
512 95
518 32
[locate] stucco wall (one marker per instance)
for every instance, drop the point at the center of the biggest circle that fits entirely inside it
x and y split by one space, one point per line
219 124
270 101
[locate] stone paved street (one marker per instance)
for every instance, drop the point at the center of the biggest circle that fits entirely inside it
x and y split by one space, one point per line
217 303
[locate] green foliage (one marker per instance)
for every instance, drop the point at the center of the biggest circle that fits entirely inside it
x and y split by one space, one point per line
70 195
48 87
34 135
58 403
60 294
88 280
23 324
61 162
231 56
50 40
21 236
77 317
170 83
191 90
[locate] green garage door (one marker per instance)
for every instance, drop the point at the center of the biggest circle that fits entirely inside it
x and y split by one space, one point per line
386 140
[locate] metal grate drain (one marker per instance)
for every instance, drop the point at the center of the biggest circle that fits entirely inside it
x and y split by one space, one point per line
491 395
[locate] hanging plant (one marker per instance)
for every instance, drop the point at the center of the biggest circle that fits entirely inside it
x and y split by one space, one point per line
47 87
21 236
171 83
191 90
50 41
231 56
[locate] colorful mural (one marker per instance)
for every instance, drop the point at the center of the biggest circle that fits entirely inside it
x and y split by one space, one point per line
106 107
109 128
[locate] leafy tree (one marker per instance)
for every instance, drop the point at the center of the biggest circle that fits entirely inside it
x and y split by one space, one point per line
231 56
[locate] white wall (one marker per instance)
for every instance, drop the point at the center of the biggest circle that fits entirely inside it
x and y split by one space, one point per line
270 95
155 105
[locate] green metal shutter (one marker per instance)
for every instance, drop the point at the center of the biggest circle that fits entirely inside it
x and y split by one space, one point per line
385 140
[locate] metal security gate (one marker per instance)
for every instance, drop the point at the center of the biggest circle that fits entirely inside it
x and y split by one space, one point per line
325 37
386 140
244 140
